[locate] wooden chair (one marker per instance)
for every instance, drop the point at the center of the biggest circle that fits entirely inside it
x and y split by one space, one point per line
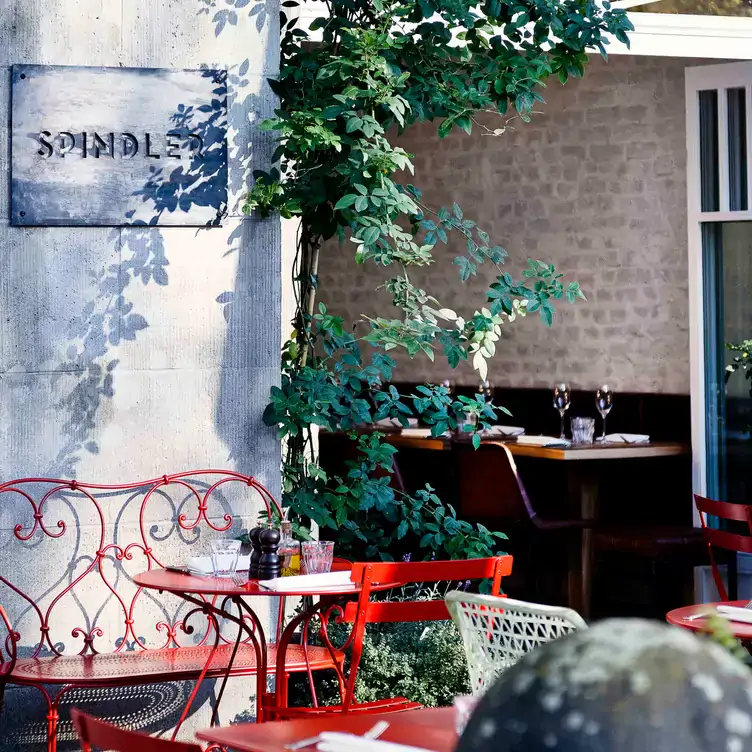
668 554
726 540
365 611
491 491
96 734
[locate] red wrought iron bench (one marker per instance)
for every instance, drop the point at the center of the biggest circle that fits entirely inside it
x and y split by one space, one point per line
73 618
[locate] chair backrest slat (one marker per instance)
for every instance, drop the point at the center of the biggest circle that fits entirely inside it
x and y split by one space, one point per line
724 509
432 571
96 734
380 612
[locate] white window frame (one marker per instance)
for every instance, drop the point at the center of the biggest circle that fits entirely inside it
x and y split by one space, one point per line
720 77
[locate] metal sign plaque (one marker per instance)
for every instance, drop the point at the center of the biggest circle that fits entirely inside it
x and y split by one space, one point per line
118 146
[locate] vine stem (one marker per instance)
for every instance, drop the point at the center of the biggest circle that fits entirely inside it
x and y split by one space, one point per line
310 297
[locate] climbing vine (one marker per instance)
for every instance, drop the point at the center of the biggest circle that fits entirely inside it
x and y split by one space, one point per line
381 66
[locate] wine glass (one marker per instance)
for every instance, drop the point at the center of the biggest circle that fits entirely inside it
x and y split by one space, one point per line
449 385
604 401
561 403
486 390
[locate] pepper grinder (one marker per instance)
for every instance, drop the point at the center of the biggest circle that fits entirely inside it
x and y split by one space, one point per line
253 573
269 566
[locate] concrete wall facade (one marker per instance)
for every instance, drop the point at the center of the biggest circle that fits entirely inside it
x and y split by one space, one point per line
596 185
129 353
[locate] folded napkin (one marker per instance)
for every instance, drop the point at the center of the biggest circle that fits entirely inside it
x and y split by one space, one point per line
627 438
394 423
202 565
504 431
416 433
735 613
337 741
542 441
314 582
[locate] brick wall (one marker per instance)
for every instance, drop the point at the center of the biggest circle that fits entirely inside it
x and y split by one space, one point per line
596 184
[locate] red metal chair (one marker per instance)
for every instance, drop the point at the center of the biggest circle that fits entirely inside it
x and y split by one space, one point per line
96 734
725 540
365 611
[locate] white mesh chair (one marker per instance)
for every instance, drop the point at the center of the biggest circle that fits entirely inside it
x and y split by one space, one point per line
497 632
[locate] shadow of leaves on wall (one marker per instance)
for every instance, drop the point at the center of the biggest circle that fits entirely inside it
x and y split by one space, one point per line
229 16
202 181
109 319
104 323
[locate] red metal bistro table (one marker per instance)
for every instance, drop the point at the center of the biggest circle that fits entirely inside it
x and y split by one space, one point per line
430 728
686 617
223 599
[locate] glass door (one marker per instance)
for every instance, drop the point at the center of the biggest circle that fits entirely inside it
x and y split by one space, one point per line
727 262
719 197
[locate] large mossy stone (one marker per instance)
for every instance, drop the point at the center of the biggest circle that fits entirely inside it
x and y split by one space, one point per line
626 685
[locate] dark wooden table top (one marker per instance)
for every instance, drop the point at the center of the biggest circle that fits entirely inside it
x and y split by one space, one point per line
595 451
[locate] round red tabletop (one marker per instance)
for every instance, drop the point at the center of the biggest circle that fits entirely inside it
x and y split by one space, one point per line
686 617
177 582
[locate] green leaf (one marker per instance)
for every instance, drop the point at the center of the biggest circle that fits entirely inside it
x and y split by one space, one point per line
371 235
467 267
445 127
464 122
346 201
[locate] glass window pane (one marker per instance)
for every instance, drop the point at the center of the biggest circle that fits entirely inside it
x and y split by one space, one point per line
737 145
709 181
728 324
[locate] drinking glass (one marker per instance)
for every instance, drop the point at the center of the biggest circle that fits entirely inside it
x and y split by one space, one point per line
224 556
582 430
561 403
317 556
604 399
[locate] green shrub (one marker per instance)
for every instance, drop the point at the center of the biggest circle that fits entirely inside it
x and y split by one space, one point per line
423 661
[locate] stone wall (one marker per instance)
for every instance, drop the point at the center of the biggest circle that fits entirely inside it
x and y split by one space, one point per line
129 353
596 184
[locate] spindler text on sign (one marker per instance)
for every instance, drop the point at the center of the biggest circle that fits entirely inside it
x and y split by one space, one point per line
126 145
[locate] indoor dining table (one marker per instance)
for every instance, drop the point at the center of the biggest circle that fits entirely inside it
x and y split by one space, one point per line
583 464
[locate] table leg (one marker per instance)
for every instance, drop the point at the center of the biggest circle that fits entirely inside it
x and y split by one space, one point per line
583 492
261 662
213 621
214 613
325 608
